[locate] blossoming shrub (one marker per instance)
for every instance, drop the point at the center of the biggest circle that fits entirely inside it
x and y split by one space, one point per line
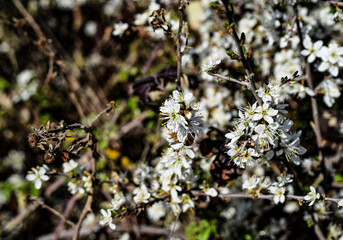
226 121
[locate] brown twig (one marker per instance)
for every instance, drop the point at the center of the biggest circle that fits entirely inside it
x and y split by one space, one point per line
87 207
314 105
259 196
336 3
178 44
144 230
29 18
227 78
58 214
250 75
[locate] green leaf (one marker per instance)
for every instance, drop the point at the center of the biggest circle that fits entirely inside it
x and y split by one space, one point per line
215 5
225 24
231 54
244 50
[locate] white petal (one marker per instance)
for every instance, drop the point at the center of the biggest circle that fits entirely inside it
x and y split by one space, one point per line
38 184
112 226
311 58
260 128
30 177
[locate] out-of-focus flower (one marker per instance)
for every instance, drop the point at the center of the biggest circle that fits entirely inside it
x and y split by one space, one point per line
69 166
142 194
120 28
156 211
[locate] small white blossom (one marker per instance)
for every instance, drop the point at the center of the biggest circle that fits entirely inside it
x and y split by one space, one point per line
265 112
38 176
279 194
251 183
156 211
330 88
209 63
119 28
312 196
311 50
87 183
69 166
117 201
107 218
74 188
142 194
187 202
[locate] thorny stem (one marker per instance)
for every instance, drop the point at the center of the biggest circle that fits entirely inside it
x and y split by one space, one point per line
244 61
314 105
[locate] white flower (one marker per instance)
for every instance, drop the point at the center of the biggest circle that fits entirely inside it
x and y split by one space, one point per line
69 166
117 201
142 194
331 90
73 188
211 192
156 211
251 183
208 191
311 50
312 196
107 218
119 28
38 176
265 112
332 57
209 63
187 202
87 182
279 193
141 18
340 203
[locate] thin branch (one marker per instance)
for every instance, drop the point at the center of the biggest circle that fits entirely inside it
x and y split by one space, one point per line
173 230
58 214
244 61
259 196
29 18
227 78
144 230
178 44
336 3
109 108
314 104
299 79
87 207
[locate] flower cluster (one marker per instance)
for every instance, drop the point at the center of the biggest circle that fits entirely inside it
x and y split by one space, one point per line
261 132
256 184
